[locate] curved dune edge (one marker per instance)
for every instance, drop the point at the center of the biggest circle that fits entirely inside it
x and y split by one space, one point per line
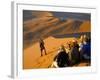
33 60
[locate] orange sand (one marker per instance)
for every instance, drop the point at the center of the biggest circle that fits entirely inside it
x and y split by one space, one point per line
32 55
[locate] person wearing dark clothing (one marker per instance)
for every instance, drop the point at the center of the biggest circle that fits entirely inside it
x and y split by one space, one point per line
75 54
62 58
42 47
86 51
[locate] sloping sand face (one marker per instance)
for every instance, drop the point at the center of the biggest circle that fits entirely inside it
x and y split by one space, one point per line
47 24
32 56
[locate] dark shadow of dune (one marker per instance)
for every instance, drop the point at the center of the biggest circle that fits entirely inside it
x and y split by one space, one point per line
76 25
76 35
66 28
25 28
32 40
57 29
38 33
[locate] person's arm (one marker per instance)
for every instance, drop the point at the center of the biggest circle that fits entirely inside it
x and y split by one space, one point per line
55 58
55 64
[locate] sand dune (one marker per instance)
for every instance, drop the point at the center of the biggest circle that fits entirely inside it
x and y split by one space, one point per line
41 13
32 58
54 31
32 55
85 27
51 26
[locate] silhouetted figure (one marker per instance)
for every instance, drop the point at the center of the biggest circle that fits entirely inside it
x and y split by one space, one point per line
75 55
42 47
61 59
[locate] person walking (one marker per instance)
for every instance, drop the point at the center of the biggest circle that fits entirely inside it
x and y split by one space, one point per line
42 47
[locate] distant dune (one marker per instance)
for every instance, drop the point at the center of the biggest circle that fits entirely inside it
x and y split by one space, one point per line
49 25
41 14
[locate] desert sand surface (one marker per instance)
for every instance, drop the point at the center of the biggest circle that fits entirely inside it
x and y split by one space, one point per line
32 55
54 31
33 58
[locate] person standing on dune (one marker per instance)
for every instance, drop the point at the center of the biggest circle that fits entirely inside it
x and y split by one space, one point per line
42 47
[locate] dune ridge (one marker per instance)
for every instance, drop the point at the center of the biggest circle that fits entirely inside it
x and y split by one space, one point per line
54 31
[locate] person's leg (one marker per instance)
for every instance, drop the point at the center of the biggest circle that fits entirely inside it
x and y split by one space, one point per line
41 52
45 51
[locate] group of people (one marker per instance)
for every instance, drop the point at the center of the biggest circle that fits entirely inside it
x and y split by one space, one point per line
73 52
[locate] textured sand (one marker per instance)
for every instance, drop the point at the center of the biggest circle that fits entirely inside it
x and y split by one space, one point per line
33 58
